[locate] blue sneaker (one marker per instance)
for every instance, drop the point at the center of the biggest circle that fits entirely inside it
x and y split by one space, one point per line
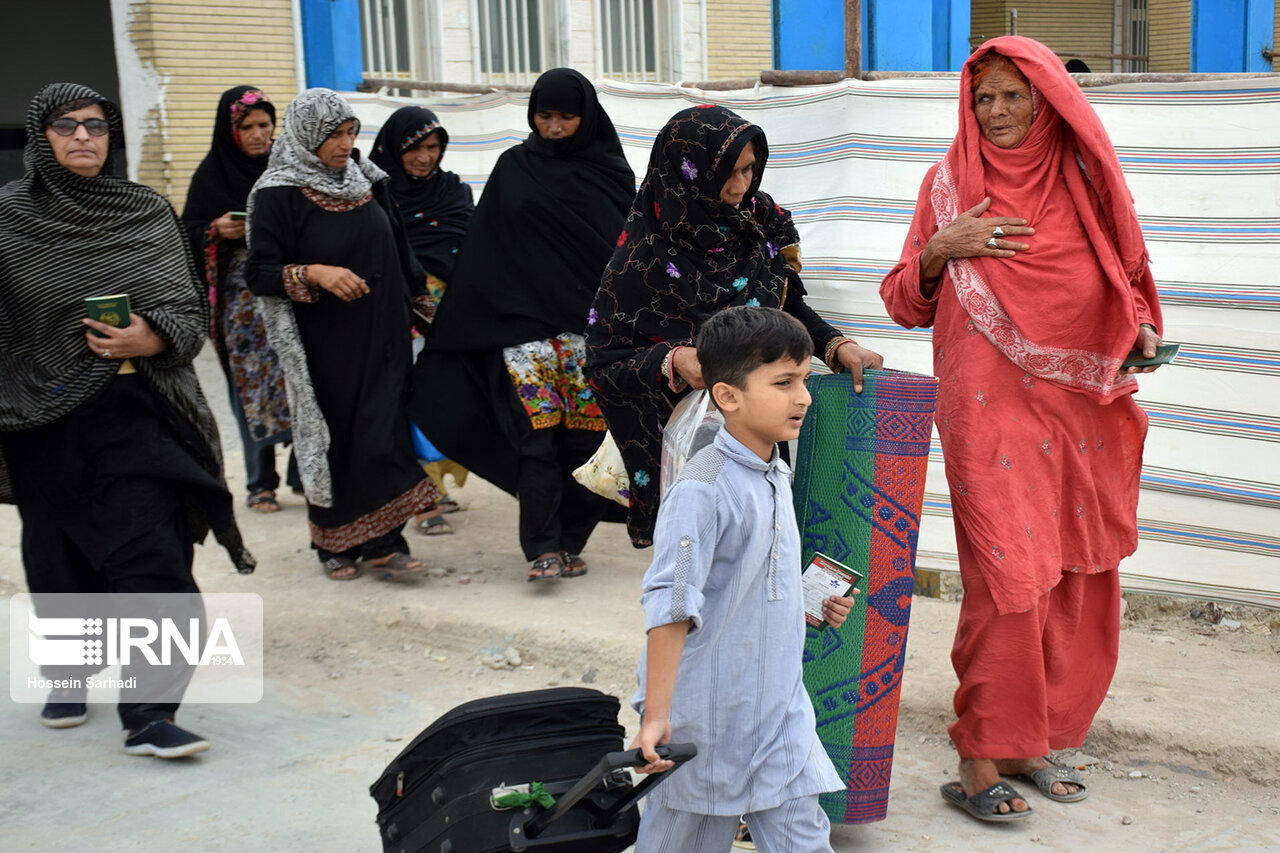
64 709
163 739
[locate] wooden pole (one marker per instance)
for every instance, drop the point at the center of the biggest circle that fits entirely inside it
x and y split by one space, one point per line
373 84
853 38
1086 81
797 77
726 85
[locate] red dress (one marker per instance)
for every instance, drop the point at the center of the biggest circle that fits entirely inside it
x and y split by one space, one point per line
1041 437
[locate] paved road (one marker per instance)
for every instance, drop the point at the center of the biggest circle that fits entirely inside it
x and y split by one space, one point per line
356 670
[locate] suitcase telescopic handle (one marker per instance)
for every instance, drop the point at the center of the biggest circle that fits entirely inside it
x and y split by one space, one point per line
677 752
613 761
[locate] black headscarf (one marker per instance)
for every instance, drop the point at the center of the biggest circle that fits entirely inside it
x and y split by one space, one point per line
683 256
222 181
435 209
542 233
65 237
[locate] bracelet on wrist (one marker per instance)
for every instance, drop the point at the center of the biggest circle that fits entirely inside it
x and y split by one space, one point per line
828 357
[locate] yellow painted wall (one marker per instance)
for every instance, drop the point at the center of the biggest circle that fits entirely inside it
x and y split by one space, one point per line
1083 25
1169 28
201 49
739 38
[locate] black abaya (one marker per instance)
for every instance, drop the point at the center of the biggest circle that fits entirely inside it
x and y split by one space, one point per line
358 355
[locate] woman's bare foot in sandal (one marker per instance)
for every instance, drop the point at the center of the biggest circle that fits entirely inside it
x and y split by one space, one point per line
395 566
574 565
339 568
979 774
431 523
548 567
263 500
1027 766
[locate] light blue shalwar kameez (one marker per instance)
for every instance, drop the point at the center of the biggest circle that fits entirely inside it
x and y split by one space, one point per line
727 558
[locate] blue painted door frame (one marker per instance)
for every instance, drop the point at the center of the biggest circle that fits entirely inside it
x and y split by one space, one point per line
1229 35
331 40
897 35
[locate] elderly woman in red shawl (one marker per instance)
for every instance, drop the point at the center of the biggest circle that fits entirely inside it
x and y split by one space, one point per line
1026 258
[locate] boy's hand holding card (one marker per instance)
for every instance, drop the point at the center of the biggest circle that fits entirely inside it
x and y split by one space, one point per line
819 581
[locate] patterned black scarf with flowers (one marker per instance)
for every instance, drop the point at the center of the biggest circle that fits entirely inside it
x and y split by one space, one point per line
684 254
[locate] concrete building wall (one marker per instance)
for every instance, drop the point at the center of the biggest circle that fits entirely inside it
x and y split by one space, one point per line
1082 25
1275 39
739 38
192 51
1169 26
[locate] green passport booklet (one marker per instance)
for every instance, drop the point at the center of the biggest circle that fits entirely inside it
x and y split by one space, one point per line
1164 355
112 310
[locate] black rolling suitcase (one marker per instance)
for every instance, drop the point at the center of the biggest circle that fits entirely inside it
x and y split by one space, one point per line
436 796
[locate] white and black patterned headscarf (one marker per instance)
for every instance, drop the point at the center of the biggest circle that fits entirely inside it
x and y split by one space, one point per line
308 121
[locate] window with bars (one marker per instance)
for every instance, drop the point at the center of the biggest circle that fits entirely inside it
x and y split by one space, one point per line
390 38
631 40
513 40
1135 35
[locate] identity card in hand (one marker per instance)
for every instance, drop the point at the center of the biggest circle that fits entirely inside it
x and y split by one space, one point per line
821 579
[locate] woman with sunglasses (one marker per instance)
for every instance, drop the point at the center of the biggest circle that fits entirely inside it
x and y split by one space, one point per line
108 447
214 219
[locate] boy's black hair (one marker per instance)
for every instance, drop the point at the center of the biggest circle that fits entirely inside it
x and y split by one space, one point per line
738 340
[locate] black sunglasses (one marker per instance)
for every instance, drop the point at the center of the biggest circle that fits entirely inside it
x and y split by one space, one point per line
67 126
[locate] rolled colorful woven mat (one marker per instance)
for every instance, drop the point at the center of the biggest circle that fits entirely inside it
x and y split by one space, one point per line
859 488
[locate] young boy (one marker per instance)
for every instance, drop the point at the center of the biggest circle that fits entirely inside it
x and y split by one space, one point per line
724 614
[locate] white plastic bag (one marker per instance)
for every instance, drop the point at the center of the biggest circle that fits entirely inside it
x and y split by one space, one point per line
605 474
693 426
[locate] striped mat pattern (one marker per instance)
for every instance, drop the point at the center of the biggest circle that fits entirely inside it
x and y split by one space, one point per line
1204 166
860 474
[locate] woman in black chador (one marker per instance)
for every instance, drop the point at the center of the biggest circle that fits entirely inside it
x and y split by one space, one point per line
328 257
109 449
435 207
214 219
506 349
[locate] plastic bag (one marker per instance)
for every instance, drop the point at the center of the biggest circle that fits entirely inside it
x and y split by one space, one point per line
605 473
693 425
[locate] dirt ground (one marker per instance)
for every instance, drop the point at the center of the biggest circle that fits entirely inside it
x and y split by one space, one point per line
1184 755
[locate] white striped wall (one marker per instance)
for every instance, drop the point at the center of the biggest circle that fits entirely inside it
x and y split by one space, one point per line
1203 161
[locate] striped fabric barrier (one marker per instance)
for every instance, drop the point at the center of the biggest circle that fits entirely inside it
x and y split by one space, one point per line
1204 166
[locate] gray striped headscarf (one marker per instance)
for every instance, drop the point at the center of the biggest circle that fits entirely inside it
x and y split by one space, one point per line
65 237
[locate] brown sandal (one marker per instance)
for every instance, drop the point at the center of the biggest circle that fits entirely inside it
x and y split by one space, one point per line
395 566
